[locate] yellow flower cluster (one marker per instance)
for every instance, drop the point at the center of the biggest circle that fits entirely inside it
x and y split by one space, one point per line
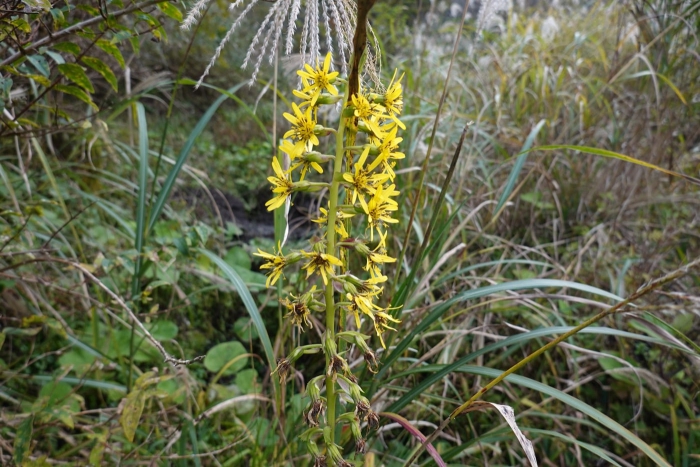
367 149
370 188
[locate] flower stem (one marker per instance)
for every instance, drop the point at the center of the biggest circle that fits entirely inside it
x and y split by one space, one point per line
330 245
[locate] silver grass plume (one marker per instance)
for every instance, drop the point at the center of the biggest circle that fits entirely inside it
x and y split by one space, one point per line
487 9
335 17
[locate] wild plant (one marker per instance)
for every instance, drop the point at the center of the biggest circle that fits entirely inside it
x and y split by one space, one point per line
361 187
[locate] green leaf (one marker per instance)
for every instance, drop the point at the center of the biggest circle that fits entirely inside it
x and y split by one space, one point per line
244 329
164 330
76 92
22 25
75 73
58 19
237 256
68 47
112 50
102 68
171 10
44 5
572 402
221 354
2 339
131 413
23 439
478 293
518 167
40 63
167 187
246 380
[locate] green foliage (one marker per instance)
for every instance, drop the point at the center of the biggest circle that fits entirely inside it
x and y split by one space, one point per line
522 248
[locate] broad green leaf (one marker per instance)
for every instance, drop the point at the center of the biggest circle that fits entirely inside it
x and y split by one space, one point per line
102 68
22 25
246 380
56 57
170 10
221 354
68 47
75 73
112 50
76 92
131 413
58 19
23 439
244 329
163 330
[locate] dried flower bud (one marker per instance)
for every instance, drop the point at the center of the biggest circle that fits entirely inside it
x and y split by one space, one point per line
320 461
337 365
360 446
313 413
371 361
362 408
343 463
282 370
373 420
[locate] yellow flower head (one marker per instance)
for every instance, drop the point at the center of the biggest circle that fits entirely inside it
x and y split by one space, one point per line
393 99
339 221
370 114
379 209
388 153
282 186
305 163
322 262
362 303
377 257
276 262
362 181
317 80
298 312
381 324
303 128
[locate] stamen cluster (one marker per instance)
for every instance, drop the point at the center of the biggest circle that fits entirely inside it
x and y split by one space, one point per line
364 177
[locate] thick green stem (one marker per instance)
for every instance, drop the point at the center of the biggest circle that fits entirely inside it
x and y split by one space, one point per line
330 249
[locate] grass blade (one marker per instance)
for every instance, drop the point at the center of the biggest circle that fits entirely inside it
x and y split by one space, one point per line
252 309
482 292
169 183
518 167
415 432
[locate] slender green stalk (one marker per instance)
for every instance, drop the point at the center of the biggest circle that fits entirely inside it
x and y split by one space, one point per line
330 249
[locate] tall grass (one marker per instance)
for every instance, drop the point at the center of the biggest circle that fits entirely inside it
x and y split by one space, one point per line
508 250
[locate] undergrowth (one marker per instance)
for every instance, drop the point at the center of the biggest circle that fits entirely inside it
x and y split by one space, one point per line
139 209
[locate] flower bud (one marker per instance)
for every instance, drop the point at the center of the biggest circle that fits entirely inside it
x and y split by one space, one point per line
313 412
360 446
282 370
362 408
373 420
320 461
371 361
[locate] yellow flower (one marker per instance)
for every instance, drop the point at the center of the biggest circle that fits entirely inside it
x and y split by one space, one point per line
363 182
381 324
293 150
275 262
393 100
305 163
377 257
339 218
387 152
319 79
282 186
379 209
298 312
362 303
369 113
302 131
321 261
